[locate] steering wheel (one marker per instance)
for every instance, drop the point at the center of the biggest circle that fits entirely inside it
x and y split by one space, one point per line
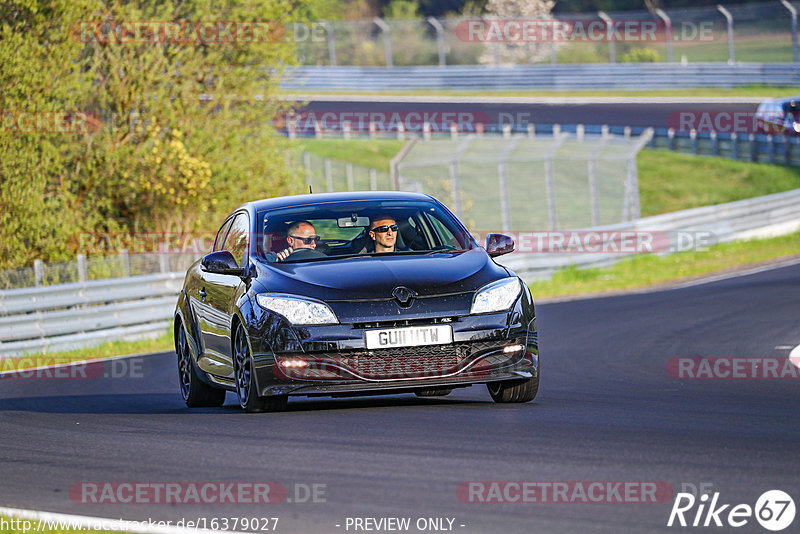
304 254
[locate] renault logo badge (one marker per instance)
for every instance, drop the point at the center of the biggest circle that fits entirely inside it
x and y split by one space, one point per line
404 296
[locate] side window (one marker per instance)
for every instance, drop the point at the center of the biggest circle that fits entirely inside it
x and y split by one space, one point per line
221 235
444 235
236 241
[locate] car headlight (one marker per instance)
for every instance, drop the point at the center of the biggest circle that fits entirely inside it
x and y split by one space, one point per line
298 310
496 296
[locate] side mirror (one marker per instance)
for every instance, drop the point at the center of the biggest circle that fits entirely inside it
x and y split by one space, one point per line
499 244
221 262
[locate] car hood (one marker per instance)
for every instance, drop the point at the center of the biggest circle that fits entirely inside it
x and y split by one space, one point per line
373 278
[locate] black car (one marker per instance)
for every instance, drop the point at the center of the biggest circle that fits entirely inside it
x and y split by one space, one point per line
342 319
779 116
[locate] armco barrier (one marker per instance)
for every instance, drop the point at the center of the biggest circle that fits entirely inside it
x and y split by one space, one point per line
68 316
543 77
755 217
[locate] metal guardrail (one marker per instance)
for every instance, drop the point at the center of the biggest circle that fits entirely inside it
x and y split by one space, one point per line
544 77
783 149
69 316
767 215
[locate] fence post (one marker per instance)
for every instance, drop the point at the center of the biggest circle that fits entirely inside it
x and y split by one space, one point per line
346 129
693 140
550 177
793 13
439 39
753 148
307 167
394 164
82 275
594 195
373 179
729 18
453 130
331 42
667 31
455 177
714 143
387 39
734 146
328 175
612 45
163 258
426 131
502 175
631 207
671 138
349 170
126 261
506 131
531 130
401 131
580 132
38 272
373 130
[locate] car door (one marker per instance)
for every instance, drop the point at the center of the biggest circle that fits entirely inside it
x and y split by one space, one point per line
217 292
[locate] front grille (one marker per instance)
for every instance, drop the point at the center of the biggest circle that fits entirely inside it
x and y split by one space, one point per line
471 359
405 322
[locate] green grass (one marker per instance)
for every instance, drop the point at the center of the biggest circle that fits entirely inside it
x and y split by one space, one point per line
671 182
754 91
365 152
113 348
647 270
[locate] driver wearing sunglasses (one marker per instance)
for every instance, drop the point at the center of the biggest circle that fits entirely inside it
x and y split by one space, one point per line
300 234
383 231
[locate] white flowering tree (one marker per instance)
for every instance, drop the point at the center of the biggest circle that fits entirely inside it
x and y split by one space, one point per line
517 50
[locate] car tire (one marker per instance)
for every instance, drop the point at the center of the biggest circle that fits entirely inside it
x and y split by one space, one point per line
195 393
440 392
514 391
246 390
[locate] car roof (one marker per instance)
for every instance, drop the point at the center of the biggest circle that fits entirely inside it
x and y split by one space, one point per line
321 198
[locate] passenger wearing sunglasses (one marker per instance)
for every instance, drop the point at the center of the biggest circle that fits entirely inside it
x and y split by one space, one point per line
300 235
383 231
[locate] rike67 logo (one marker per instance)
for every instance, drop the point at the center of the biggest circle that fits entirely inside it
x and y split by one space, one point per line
774 510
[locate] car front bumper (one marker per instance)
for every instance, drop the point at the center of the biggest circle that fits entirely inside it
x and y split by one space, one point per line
332 360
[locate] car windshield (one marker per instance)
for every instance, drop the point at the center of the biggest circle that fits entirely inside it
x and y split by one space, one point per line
418 227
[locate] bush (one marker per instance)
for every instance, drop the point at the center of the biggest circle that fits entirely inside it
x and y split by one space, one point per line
640 55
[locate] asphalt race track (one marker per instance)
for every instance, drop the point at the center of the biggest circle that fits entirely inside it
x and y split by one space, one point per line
655 113
607 411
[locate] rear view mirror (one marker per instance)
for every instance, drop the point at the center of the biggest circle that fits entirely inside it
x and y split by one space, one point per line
352 221
499 244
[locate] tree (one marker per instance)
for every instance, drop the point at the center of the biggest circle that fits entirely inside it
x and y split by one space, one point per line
522 51
185 134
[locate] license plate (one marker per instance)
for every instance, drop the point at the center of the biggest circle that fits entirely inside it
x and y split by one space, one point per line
412 336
